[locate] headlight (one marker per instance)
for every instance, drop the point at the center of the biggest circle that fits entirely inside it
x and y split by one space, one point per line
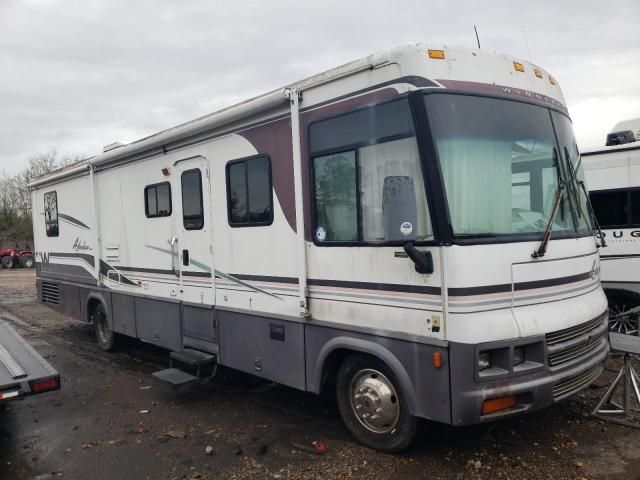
484 361
518 355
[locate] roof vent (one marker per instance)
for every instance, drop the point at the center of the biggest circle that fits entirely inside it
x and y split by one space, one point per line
112 146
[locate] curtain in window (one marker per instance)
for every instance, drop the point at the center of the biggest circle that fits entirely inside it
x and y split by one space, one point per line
477 175
397 158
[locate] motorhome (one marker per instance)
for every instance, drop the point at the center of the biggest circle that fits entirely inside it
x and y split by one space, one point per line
613 177
399 229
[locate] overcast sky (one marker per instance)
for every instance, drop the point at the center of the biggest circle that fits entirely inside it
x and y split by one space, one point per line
78 74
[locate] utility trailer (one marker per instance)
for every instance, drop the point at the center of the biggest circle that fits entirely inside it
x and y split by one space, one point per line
23 372
396 230
613 177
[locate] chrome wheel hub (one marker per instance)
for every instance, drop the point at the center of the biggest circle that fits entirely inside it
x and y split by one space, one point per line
374 401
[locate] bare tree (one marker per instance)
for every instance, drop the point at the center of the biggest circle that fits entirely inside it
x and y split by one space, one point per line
15 195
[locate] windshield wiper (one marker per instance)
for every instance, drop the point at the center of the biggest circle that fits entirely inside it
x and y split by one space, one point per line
542 249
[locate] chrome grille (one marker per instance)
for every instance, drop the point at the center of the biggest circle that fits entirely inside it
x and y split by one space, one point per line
576 383
50 293
573 332
574 352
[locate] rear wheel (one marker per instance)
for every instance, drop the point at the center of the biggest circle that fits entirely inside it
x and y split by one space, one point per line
373 405
27 261
7 261
624 315
105 336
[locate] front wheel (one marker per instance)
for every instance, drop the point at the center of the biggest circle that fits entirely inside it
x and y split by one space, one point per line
7 261
27 261
373 405
105 336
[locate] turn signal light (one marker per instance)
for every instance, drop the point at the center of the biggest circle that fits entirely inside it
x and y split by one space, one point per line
436 54
497 404
437 360
518 66
537 72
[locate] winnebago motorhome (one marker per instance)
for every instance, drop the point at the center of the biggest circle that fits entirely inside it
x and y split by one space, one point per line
399 228
613 177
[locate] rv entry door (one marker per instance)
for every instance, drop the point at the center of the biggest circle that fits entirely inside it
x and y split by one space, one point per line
193 251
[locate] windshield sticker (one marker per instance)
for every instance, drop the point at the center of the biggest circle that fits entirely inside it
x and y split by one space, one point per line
406 228
321 234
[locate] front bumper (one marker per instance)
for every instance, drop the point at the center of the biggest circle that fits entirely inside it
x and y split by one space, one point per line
573 359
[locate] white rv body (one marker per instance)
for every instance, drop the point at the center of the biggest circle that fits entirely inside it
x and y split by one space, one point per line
613 178
279 298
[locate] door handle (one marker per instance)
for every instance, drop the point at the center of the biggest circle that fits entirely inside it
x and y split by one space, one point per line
185 257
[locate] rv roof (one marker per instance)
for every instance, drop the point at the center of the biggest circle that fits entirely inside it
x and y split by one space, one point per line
457 63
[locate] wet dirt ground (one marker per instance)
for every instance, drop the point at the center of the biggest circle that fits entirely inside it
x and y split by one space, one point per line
111 420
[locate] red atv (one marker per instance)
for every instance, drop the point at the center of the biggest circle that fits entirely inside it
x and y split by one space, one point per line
17 257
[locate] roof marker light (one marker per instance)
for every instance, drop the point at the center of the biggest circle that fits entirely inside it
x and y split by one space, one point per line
538 73
436 54
552 80
518 66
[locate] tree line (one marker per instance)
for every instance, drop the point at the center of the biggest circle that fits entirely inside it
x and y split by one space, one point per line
15 195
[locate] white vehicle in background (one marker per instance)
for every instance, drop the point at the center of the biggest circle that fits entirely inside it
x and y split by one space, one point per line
398 229
613 177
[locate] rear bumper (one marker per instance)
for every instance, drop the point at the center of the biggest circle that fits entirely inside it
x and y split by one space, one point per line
569 366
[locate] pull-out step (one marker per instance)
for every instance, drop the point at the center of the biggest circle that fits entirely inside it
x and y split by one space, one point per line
174 376
187 366
193 358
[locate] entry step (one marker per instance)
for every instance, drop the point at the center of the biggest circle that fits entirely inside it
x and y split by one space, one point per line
194 358
174 376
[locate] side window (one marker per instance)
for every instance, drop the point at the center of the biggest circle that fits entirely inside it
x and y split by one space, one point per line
157 200
192 209
249 192
367 178
611 208
51 214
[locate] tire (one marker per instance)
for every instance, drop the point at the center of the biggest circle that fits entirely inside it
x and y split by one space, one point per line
105 336
622 318
366 385
7 261
27 261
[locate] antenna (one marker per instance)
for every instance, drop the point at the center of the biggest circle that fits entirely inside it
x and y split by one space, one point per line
526 42
477 37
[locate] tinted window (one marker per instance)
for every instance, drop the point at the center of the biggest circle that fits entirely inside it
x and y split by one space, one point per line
634 207
157 200
385 121
611 208
192 211
51 214
249 193
371 191
336 197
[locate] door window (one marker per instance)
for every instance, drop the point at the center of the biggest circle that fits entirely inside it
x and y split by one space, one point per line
192 209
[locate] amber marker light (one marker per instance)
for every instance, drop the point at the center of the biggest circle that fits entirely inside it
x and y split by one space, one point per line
552 80
537 72
165 171
497 404
518 66
437 360
436 54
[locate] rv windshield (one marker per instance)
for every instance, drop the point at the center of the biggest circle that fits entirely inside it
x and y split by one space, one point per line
501 166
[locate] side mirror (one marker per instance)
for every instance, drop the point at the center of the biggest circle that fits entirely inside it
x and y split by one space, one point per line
423 260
